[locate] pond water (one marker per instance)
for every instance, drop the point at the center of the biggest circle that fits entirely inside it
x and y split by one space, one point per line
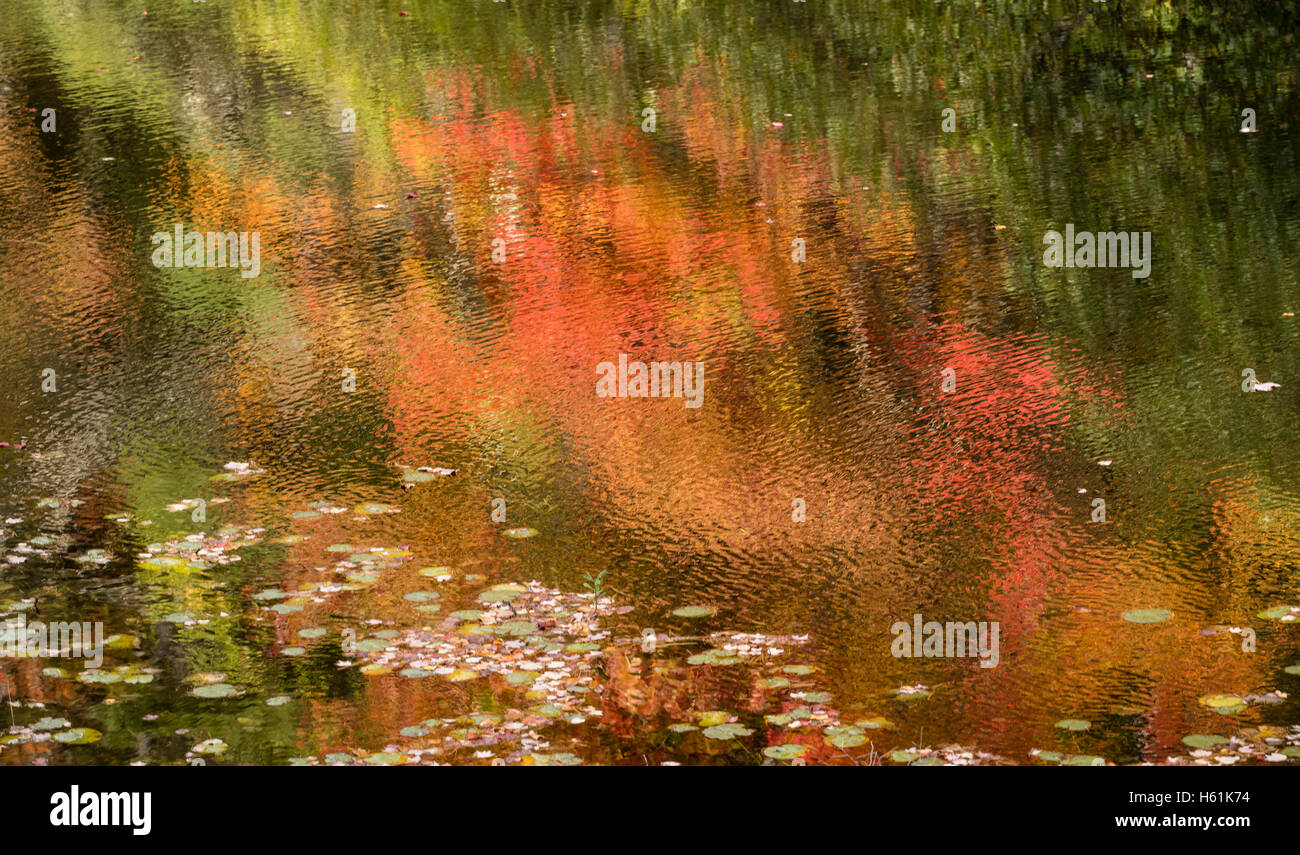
464 208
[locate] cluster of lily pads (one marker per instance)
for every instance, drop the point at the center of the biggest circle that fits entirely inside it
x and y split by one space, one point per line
49 728
1263 744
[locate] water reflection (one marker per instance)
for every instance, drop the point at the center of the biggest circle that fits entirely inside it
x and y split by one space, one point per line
439 285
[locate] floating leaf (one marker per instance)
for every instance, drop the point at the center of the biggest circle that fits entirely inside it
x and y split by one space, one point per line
1224 704
421 596
1148 615
727 731
211 746
51 723
1084 760
1287 613
387 758
214 690
845 737
278 701
78 736
772 683
1204 740
519 533
694 611
788 751
1076 724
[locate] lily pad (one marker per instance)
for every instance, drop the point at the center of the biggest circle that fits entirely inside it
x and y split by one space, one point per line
694 611
386 758
1148 615
1076 724
1224 704
78 736
519 533
727 731
214 690
1204 740
845 737
788 751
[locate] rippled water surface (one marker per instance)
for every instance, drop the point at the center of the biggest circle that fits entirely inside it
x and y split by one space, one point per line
917 416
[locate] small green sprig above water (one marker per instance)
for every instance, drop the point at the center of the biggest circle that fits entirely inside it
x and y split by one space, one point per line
594 584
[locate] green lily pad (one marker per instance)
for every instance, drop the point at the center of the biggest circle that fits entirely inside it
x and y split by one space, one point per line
214 690
421 596
312 632
414 731
1204 740
211 746
1280 612
727 731
770 683
278 701
78 736
1075 724
694 611
788 751
1084 760
1148 615
1293 670
713 657
293 651
340 757
519 533
903 756
845 737
51 723
386 758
